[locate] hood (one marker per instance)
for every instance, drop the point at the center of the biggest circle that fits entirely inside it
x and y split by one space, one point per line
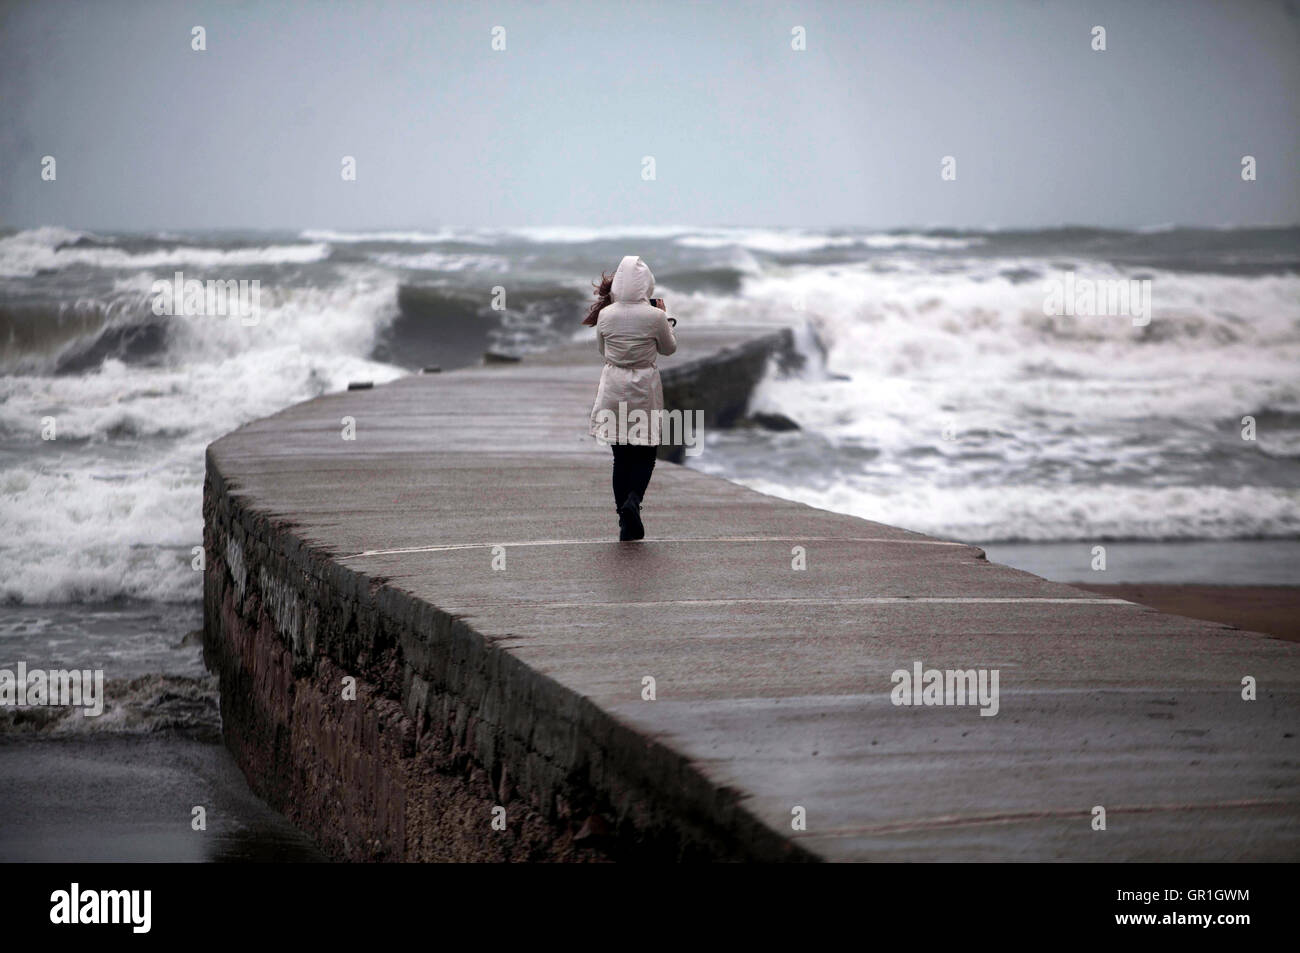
632 281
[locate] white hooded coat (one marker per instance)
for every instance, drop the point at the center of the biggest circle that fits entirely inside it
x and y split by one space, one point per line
631 333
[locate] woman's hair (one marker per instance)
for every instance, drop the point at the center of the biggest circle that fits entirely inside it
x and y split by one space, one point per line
602 293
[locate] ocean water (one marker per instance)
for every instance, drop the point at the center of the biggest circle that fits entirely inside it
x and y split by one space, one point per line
938 396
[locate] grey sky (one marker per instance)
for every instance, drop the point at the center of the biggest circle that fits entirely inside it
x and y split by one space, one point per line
744 130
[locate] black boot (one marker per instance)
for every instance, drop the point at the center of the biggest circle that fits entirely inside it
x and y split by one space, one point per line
629 520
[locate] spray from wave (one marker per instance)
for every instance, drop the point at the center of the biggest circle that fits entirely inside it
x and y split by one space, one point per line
948 402
942 398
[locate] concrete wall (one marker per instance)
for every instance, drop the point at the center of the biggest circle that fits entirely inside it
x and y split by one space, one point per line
445 724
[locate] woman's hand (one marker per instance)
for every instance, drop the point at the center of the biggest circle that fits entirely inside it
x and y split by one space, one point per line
662 306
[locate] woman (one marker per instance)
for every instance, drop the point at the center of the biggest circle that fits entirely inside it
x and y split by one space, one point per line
631 330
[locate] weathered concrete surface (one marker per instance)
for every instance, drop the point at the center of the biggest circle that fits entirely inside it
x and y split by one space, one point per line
523 686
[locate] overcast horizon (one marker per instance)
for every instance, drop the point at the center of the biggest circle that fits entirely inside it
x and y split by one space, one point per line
745 131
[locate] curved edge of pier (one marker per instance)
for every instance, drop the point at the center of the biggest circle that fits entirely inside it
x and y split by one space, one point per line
430 647
391 729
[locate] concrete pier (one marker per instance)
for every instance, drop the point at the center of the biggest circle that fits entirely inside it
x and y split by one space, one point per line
456 566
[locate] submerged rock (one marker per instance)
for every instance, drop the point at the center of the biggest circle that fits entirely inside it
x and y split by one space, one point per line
771 421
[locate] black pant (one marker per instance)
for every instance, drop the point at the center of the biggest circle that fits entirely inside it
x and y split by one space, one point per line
632 468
